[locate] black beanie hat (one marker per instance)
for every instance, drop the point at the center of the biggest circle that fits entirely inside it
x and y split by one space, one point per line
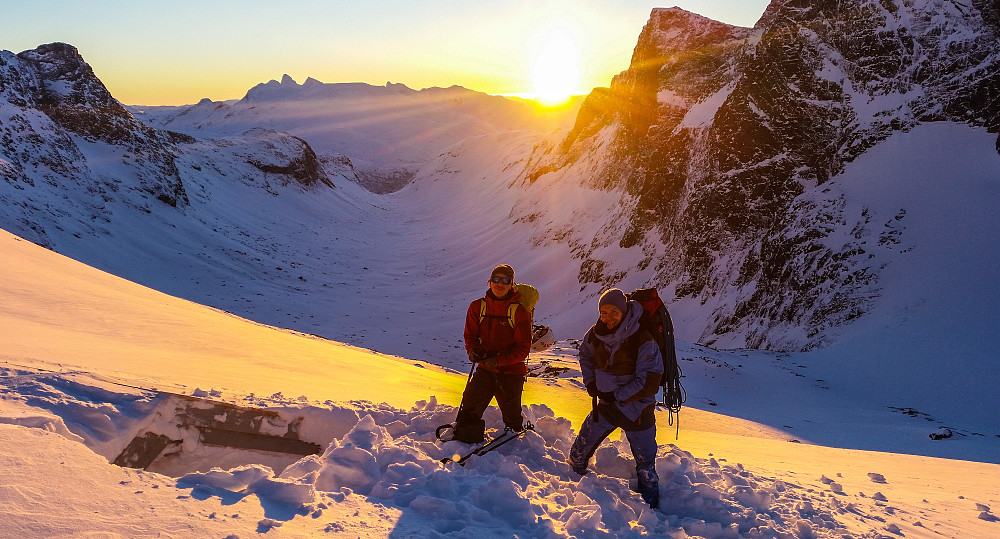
505 270
616 298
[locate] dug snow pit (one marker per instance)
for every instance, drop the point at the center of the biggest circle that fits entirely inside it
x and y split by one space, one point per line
182 421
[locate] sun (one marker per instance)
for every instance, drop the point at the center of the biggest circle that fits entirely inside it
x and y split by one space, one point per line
556 71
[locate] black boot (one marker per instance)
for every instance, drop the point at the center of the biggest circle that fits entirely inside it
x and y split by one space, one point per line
470 430
648 487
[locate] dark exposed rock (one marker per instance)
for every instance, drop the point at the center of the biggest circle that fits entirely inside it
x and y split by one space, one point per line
304 167
382 182
75 98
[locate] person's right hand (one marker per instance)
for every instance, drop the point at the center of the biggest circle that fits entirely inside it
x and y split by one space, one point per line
477 354
490 361
592 389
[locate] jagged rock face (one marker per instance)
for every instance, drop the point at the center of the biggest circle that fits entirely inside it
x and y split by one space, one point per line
54 96
718 130
76 100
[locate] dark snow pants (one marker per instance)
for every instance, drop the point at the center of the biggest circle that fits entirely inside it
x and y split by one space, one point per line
482 388
641 442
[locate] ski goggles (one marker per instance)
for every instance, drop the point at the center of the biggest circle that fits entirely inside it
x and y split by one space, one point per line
501 279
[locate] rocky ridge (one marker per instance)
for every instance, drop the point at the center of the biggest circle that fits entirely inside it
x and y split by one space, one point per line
715 133
63 136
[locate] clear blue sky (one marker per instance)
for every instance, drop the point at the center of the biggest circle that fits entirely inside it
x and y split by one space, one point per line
177 52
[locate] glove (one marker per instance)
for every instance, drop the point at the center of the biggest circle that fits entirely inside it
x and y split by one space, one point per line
490 361
608 396
592 389
477 354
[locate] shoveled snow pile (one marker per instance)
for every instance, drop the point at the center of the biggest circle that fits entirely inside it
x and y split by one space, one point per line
389 457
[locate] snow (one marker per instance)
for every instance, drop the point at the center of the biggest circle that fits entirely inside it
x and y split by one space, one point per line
831 443
934 180
703 113
89 360
380 128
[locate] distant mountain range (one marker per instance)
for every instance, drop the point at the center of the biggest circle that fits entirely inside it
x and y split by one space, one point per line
384 132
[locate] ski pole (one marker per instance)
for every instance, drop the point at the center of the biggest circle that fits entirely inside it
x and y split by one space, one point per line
440 430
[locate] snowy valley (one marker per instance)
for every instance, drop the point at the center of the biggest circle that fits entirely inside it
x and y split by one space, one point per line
836 312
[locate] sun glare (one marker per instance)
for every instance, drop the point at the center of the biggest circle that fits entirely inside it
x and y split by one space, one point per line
556 70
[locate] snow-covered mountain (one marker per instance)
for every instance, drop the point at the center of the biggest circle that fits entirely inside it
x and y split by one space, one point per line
280 226
74 154
781 183
823 181
730 147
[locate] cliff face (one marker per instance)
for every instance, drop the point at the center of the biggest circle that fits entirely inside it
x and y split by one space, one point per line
69 93
715 132
55 109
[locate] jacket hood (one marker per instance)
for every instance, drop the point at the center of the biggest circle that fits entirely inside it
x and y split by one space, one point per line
629 325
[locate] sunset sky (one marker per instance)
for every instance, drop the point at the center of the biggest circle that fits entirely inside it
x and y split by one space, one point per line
178 52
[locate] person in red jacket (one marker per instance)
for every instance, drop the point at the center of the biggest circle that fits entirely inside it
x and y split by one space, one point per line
500 352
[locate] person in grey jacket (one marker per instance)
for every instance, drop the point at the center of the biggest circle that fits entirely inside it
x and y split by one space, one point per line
621 368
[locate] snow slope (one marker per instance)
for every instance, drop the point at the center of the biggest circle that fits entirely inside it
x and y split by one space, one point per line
396 272
88 358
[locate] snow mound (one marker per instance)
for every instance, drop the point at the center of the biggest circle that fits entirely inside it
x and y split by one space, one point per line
377 454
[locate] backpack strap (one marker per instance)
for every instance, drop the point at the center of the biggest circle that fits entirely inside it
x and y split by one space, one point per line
511 312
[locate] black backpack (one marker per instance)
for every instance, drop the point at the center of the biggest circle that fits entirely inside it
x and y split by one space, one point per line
656 320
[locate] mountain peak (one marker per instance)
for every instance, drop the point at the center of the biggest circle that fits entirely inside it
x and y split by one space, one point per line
673 33
723 133
54 50
678 13
398 87
66 89
63 72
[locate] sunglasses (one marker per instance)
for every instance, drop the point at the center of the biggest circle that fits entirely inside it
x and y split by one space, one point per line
499 279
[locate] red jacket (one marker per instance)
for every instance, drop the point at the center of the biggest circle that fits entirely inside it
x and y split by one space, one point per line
494 333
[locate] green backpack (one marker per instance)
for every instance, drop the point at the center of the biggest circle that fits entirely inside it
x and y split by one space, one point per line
529 297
